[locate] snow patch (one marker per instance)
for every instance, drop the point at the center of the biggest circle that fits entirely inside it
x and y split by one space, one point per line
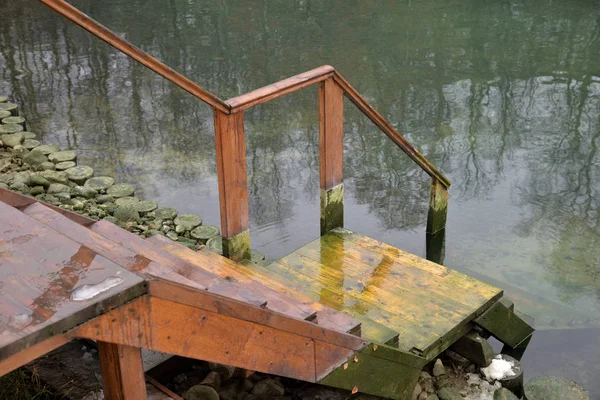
86 292
499 369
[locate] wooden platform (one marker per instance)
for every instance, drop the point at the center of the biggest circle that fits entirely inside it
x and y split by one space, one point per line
344 310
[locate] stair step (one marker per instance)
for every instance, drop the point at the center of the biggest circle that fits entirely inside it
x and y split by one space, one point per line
136 262
218 267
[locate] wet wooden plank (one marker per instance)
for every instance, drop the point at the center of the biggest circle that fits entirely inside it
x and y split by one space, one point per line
29 354
331 134
122 372
40 270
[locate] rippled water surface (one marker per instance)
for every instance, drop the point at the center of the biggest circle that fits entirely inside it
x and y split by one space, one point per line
503 96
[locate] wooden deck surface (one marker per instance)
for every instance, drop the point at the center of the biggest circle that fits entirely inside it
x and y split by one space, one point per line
386 289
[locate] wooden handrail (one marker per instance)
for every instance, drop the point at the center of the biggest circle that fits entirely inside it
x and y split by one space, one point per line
281 88
390 131
100 31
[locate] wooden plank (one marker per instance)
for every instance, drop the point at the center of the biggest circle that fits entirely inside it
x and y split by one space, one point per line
233 184
389 130
40 271
438 207
101 32
504 324
18 200
331 134
280 88
225 269
122 372
29 354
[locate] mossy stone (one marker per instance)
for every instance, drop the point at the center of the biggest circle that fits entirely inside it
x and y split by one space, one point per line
4 113
30 143
47 149
56 176
103 198
80 174
39 180
554 388
13 120
204 232
165 213
188 221
100 183
62 166
127 213
126 200
11 140
215 244
11 128
256 256
120 190
35 158
29 135
55 188
83 191
10 107
146 206
34 191
60 156
47 166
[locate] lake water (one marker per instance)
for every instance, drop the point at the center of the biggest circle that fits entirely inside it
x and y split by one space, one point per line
503 96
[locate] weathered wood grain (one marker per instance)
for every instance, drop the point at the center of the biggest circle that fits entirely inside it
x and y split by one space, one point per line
122 372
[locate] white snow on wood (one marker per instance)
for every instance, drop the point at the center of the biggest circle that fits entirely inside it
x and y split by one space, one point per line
499 369
86 292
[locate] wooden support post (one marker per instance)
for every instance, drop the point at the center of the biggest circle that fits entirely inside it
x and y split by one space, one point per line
435 246
438 207
331 137
233 184
122 372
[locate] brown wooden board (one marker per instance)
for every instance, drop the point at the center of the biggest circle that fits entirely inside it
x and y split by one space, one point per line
122 372
39 271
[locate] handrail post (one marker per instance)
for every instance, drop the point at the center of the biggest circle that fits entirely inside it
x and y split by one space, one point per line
233 184
436 221
331 153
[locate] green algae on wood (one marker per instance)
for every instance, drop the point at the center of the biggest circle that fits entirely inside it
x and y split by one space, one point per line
237 247
438 207
332 208
504 324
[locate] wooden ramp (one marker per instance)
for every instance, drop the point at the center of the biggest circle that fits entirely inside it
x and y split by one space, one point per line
344 310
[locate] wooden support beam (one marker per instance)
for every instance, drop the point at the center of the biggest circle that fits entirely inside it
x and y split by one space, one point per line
331 137
233 184
438 207
122 372
435 246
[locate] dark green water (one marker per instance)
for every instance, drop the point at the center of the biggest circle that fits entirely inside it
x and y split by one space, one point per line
503 96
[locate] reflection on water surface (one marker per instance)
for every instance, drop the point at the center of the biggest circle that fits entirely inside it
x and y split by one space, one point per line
504 97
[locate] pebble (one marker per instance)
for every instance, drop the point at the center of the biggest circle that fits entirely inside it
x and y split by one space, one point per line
438 368
35 158
100 183
30 143
13 120
172 235
39 180
126 200
80 174
504 394
29 135
554 388
204 232
165 213
103 198
146 206
449 393
47 149
10 128
267 389
83 191
120 190
47 166
56 176
201 392
11 140
126 213
34 191
58 188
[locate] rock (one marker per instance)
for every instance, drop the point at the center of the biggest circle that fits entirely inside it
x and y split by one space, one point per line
111 219
29 135
103 198
554 388
10 128
433 397
442 381
62 156
35 158
30 143
127 213
34 191
457 359
226 371
201 392
55 176
228 393
426 382
152 232
438 368
39 180
11 140
47 166
19 187
180 229
58 188
256 256
99 183
204 232
145 206
188 221
62 196
213 379
165 213
423 396
13 120
474 348
504 394
47 149
448 393
83 191
80 174
172 235
215 244
19 151
267 389
21 178
416 392
61 166
120 190
126 200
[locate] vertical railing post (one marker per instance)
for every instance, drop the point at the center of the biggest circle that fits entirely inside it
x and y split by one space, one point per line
436 222
331 153
233 184
122 372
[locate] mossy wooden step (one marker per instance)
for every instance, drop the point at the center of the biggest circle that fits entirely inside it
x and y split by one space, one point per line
427 304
